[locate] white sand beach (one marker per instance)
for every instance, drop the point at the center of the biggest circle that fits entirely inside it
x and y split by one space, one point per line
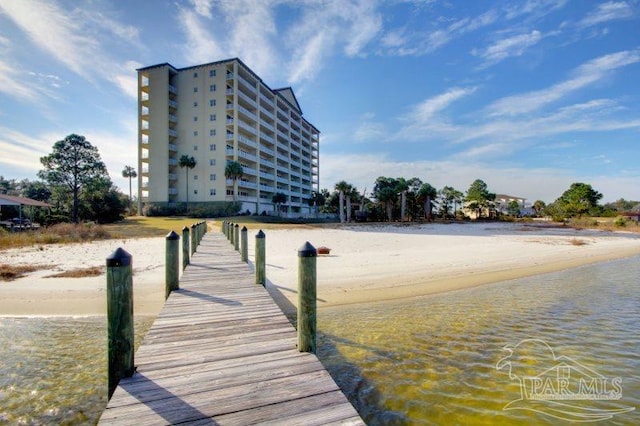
367 263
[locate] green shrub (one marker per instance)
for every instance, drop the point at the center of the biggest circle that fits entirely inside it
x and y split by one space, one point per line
620 222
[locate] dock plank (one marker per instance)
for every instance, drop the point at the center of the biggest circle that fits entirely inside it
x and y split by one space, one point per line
222 352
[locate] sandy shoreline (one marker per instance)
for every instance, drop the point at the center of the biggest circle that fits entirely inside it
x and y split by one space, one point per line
367 263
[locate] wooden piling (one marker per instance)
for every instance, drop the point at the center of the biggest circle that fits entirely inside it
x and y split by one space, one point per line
236 237
307 255
230 236
172 262
260 258
194 243
244 252
119 318
185 247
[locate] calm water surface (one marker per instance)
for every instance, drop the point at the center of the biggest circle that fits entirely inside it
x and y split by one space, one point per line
429 360
432 360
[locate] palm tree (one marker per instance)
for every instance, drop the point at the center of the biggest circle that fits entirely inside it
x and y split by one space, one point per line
278 199
234 171
402 186
129 172
189 163
343 188
427 193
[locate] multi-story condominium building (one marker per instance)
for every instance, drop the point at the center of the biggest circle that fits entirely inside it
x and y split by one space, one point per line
217 113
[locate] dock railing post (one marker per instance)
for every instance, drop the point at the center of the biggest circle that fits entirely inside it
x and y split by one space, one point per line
260 258
223 227
236 237
194 243
119 317
307 255
230 236
244 252
185 247
172 262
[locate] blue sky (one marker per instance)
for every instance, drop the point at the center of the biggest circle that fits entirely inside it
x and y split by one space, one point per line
529 96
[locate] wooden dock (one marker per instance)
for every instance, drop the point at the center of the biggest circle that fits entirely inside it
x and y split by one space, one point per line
222 352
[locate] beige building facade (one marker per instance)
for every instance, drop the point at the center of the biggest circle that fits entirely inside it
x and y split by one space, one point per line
216 113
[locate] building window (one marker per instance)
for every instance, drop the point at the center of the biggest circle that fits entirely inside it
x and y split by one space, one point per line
195 133
212 102
212 73
212 132
195 147
229 191
195 90
212 117
195 118
195 177
195 104
212 147
212 191
212 88
195 75
212 176
212 162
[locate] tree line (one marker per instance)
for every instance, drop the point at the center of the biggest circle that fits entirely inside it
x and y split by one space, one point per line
75 181
412 199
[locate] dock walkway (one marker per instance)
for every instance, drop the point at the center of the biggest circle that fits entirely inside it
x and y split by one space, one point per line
222 352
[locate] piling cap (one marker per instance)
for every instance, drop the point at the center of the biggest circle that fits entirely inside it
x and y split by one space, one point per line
237 226
193 225
260 234
172 236
307 250
244 229
119 258
186 228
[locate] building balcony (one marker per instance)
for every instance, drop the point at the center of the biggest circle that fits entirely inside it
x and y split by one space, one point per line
269 176
267 138
173 147
247 127
247 99
248 142
173 191
173 133
173 176
173 104
173 89
247 184
267 150
268 163
173 162
173 118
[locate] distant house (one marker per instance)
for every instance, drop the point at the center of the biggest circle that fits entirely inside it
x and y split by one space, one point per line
634 216
502 203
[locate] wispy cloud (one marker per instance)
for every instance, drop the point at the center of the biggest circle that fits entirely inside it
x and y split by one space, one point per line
200 46
584 75
606 12
401 42
512 46
70 37
325 27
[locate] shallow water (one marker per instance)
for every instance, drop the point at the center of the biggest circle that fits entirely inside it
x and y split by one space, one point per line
54 370
428 360
432 360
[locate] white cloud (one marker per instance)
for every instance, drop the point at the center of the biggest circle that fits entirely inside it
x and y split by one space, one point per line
11 85
202 7
606 12
71 37
584 75
325 26
200 46
508 47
